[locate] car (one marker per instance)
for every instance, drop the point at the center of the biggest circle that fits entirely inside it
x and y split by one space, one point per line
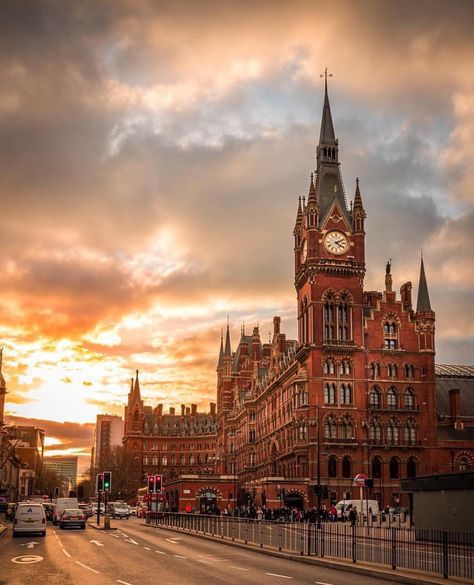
29 517
87 510
133 510
118 510
61 505
73 517
94 508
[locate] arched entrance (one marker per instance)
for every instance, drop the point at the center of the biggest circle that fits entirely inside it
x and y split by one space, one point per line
208 501
293 499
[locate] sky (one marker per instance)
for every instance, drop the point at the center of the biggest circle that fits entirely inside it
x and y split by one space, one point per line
151 159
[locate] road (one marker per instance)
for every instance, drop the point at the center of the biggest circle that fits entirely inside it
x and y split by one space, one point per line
140 555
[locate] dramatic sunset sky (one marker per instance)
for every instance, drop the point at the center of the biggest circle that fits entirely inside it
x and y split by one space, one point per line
151 158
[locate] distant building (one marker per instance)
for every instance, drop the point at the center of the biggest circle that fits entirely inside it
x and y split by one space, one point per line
108 433
66 468
28 442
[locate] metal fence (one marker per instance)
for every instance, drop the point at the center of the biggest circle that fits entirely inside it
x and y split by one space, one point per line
450 554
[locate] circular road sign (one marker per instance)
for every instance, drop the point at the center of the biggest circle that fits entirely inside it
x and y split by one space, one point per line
359 479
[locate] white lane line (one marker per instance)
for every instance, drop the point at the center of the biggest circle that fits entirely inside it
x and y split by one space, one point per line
147 548
322 583
130 540
123 582
160 552
238 568
65 552
201 561
171 540
180 557
114 535
86 567
281 576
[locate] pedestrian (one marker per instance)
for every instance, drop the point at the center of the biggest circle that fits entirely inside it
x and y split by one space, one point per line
353 516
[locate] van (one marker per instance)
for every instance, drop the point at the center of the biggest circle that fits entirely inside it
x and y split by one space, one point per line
60 505
362 506
29 517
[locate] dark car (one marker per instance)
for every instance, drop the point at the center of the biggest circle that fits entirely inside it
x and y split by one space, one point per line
73 517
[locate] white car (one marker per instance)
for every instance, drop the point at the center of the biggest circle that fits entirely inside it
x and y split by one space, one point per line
94 508
29 517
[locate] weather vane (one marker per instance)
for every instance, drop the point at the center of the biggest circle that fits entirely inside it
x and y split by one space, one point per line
326 75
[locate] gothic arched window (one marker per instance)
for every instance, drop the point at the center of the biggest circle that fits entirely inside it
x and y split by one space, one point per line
376 468
347 428
346 467
343 318
330 428
329 393
329 317
374 398
392 432
411 467
345 394
409 399
390 331
375 432
392 398
394 468
332 466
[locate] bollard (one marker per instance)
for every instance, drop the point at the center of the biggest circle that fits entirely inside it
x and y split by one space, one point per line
107 522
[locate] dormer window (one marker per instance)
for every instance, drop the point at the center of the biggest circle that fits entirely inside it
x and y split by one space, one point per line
390 331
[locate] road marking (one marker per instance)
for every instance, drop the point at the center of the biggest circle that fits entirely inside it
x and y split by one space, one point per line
97 542
171 540
27 559
147 548
160 552
180 557
114 535
86 567
281 576
322 583
123 582
201 561
65 552
130 540
238 568
30 544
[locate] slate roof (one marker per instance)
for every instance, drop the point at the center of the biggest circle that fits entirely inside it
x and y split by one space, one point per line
448 377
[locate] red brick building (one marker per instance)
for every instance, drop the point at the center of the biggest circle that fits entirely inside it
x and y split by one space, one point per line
358 392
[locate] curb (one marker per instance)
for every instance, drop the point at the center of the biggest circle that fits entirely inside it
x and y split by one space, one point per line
96 527
3 529
410 578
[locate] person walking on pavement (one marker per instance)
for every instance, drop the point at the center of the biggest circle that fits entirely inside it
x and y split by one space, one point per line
353 516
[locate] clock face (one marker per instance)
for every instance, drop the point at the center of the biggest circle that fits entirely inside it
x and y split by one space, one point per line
336 242
304 251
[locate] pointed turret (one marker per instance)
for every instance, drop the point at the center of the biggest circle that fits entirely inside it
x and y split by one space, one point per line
312 201
327 134
358 197
136 389
227 351
221 352
3 385
299 218
423 303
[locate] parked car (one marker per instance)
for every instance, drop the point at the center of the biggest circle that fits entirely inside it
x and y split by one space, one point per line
86 509
73 517
10 511
118 510
29 517
94 508
132 510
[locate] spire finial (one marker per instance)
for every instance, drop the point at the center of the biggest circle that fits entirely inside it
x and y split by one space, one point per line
326 75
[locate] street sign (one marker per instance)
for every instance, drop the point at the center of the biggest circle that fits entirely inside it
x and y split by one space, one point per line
359 479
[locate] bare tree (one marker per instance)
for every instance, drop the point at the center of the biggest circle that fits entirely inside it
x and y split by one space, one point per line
120 463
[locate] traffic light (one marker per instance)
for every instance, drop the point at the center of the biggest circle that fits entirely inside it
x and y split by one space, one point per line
158 484
151 484
369 482
107 481
100 482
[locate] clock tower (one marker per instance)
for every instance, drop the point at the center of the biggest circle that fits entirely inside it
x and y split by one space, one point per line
329 251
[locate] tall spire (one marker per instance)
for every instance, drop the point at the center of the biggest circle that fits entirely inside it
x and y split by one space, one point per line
227 351
2 379
136 388
423 302
357 196
299 218
312 192
327 134
221 350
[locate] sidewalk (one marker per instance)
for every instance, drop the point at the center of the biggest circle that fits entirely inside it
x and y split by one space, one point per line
93 524
381 572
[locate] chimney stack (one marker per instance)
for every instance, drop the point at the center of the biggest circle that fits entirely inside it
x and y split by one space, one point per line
172 411
405 294
183 408
213 407
188 410
193 409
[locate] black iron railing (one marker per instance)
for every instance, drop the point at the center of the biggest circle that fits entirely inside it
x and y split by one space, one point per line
446 553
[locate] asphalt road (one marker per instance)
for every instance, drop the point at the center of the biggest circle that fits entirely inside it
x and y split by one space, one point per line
140 555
